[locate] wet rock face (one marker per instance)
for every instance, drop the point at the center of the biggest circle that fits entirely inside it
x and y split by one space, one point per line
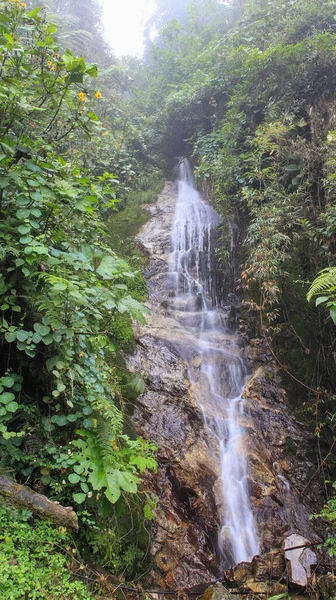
186 525
281 461
186 528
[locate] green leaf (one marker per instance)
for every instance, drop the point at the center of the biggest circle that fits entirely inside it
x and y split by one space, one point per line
34 13
36 212
43 330
8 37
22 213
127 481
72 418
79 498
148 513
26 240
6 397
117 480
74 478
7 381
92 70
321 300
22 335
60 420
60 286
78 469
113 490
10 336
98 479
51 362
143 462
12 407
23 229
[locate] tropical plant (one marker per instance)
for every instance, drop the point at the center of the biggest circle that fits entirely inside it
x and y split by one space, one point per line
62 418
325 283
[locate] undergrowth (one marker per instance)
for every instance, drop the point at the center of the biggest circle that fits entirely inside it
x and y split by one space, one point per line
37 560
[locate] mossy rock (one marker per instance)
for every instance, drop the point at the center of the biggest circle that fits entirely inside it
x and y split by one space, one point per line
327 587
217 592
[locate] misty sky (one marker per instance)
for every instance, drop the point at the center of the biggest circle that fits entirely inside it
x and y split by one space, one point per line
124 21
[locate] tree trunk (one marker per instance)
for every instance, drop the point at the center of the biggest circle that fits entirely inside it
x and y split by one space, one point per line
38 504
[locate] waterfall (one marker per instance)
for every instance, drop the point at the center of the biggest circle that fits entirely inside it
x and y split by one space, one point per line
217 371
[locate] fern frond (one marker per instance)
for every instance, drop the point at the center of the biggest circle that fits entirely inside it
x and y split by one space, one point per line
325 282
105 438
110 414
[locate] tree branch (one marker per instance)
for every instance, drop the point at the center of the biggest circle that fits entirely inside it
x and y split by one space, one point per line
38 504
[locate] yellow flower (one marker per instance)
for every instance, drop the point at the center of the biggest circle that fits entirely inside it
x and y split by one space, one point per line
104 133
82 96
23 4
53 68
98 95
49 63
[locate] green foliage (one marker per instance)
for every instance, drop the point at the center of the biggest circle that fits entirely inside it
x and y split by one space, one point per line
325 283
328 513
63 289
121 543
80 27
32 565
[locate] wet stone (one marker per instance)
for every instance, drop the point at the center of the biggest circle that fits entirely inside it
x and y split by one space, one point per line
300 560
217 592
271 566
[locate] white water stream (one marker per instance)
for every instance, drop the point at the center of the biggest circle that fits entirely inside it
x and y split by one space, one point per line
216 369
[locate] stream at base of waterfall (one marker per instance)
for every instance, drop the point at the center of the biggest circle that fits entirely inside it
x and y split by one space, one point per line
217 372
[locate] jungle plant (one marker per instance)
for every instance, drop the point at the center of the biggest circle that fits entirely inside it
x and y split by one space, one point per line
61 285
32 564
325 283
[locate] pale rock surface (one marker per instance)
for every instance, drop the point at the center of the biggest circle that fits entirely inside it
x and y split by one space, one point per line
300 559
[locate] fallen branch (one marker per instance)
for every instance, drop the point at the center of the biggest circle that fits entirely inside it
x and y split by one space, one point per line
38 504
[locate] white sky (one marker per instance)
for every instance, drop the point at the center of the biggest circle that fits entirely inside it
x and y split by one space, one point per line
124 21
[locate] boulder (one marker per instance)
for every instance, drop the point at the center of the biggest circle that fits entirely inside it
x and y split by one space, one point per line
300 560
217 592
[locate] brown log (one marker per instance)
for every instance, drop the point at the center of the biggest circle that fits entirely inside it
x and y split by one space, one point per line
22 495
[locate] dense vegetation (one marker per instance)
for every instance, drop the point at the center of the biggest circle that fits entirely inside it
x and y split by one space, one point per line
67 300
247 90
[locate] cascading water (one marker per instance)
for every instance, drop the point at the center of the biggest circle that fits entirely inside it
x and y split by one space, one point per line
216 369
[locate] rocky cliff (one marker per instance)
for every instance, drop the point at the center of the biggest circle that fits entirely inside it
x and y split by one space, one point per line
279 448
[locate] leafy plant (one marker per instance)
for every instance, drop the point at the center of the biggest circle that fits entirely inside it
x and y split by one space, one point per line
325 283
32 565
62 287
